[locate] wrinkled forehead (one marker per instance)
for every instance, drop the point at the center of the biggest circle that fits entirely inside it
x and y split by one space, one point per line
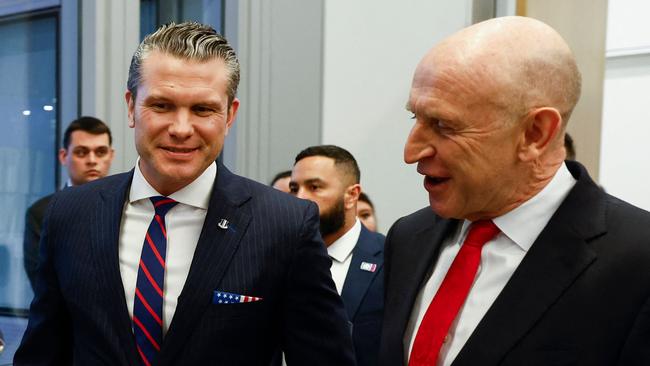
445 72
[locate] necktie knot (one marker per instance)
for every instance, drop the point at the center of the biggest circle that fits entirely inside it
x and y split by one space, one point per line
162 204
480 232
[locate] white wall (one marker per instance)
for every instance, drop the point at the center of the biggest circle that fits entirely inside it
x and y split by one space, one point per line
625 152
109 36
629 31
371 48
279 44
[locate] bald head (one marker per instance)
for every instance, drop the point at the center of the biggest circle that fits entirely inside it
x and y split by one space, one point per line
490 105
515 63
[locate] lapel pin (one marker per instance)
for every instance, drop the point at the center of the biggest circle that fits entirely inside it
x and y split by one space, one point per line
223 224
370 267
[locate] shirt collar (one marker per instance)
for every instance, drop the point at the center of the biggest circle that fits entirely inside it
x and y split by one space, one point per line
341 249
196 194
524 224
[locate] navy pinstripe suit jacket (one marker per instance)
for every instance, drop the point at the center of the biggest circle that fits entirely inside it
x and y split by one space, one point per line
272 250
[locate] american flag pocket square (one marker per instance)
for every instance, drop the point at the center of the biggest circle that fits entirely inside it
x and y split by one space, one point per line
220 297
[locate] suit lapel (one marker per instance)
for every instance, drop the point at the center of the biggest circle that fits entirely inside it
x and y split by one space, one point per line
556 259
215 249
357 281
104 231
418 255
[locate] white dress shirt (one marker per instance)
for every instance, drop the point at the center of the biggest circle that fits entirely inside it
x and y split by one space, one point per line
183 222
500 257
341 253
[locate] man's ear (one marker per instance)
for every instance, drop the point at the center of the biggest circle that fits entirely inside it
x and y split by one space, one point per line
130 106
541 128
351 195
232 114
111 155
63 155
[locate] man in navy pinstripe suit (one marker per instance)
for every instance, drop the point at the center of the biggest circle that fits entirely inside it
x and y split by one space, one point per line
224 235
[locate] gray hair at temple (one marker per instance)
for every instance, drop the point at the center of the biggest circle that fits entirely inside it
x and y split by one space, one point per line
188 41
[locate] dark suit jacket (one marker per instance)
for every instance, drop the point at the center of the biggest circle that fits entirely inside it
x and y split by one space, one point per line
363 296
272 250
33 227
581 295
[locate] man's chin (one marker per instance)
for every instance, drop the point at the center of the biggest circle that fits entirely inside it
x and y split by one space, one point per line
179 177
442 209
85 179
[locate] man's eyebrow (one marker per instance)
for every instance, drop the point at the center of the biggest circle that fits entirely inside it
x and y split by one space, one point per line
313 180
91 148
156 97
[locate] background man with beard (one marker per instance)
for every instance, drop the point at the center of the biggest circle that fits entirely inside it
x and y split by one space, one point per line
329 175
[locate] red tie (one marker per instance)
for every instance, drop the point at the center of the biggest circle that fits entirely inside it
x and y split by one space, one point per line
451 295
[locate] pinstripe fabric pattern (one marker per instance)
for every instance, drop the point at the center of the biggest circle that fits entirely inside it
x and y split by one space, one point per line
271 249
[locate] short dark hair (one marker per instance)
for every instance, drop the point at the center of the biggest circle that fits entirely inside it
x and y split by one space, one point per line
284 174
341 157
364 198
88 124
569 147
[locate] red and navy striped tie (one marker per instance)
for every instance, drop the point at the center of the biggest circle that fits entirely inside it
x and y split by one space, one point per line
148 302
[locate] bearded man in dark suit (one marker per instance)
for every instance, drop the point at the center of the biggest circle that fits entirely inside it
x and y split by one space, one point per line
330 176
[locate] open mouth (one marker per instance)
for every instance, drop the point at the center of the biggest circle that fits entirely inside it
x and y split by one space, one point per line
434 181
179 150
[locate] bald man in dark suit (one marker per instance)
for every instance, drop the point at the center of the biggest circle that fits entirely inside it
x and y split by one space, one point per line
520 258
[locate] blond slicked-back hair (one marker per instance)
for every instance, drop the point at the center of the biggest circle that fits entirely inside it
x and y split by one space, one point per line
188 41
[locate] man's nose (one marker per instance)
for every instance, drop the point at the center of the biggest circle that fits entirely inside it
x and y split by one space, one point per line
307 194
181 127
302 193
418 145
92 158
